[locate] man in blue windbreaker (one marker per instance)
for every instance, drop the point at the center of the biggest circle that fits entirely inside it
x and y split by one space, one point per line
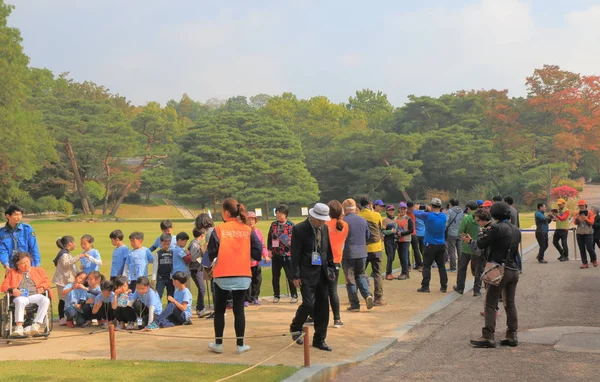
17 237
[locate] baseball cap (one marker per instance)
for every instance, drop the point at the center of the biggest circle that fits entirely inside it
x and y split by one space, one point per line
581 202
251 215
390 207
561 201
479 202
378 202
402 205
487 203
436 202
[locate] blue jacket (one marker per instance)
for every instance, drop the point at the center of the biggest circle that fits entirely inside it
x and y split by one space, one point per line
420 227
358 233
435 227
21 239
541 222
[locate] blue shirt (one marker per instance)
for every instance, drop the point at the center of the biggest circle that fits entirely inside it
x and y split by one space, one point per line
119 258
420 227
233 283
21 239
178 264
435 227
541 222
75 295
355 246
93 292
157 245
184 295
86 265
105 300
137 261
149 299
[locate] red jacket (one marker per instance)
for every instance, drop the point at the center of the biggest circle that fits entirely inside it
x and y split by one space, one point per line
14 277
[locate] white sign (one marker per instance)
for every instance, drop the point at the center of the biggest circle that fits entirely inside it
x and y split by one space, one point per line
304 211
258 212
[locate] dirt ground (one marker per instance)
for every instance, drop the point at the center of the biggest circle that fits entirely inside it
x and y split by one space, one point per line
361 330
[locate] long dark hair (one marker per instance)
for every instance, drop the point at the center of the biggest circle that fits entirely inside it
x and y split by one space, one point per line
235 209
64 241
335 212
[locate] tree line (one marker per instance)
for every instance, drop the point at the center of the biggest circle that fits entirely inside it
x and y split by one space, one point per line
77 143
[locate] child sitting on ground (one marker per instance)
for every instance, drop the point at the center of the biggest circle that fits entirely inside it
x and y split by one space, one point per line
90 260
76 294
166 226
94 279
143 304
178 310
124 313
103 303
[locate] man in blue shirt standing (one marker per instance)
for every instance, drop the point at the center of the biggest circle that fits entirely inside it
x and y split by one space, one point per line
17 237
435 244
541 231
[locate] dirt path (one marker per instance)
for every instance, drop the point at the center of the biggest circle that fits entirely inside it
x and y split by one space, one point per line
361 331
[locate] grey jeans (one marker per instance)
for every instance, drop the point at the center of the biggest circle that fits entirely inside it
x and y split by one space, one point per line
453 250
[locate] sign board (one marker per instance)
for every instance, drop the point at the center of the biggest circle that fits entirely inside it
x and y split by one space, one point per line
258 212
304 211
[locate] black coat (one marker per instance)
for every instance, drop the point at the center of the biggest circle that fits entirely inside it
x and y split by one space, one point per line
303 242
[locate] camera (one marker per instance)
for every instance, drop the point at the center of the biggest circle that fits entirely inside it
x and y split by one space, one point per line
583 212
422 208
554 211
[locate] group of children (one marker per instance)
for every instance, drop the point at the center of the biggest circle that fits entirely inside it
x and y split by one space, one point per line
133 296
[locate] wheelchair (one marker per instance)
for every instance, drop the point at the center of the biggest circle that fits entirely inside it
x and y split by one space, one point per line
7 318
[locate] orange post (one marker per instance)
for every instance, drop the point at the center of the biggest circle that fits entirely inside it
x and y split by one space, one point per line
111 337
306 347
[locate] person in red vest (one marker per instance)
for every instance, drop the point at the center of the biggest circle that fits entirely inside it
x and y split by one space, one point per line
234 245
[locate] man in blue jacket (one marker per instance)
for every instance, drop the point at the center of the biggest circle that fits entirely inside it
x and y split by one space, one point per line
17 237
435 244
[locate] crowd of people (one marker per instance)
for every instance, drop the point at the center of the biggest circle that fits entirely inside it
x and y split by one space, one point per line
336 237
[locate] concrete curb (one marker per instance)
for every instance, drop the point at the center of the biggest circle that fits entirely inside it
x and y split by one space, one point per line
324 373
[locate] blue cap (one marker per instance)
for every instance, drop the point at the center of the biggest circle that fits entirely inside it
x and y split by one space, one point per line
479 202
378 202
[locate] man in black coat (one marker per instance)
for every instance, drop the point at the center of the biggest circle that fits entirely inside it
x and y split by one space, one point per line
311 258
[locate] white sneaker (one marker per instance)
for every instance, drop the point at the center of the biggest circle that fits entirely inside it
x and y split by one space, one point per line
18 332
94 322
35 329
203 313
62 322
131 326
243 349
215 348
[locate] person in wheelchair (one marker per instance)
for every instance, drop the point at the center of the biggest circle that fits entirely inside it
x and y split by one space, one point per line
27 285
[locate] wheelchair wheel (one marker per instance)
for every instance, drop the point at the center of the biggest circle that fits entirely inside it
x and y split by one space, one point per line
50 317
3 320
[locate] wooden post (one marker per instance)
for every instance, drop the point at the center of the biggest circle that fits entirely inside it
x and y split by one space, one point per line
575 243
306 347
111 337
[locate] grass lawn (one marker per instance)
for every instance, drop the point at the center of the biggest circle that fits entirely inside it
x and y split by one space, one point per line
143 211
98 370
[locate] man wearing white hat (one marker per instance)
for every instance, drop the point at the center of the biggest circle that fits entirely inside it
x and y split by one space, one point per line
311 260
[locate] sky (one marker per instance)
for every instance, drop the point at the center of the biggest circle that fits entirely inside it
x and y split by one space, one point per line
156 50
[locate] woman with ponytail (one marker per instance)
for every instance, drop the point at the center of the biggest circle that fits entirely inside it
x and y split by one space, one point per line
338 232
234 245
65 270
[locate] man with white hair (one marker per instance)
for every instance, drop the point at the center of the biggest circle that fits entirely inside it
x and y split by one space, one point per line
312 260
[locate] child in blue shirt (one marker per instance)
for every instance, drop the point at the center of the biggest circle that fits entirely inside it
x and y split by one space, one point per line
124 313
181 259
103 303
179 308
145 302
164 269
76 294
166 226
94 279
90 260
138 259
120 254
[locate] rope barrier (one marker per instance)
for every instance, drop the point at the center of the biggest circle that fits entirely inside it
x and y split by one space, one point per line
211 338
261 362
550 230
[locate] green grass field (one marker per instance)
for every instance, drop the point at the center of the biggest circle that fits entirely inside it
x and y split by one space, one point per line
98 370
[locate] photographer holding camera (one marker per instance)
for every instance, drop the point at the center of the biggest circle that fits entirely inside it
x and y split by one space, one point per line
584 220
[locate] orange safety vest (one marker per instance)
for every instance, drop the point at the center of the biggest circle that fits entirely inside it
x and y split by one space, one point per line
233 258
403 223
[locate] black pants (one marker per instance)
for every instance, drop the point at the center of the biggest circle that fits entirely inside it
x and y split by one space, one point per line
61 308
542 239
597 238
561 236
87 312
277 263
390 252
198 277
106 312
334 298
417 247
238 314
508 287
434 253
315 302
254 290
586 242
131 313
477 266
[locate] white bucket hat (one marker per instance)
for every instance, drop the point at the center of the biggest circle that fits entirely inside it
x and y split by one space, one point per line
320 212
